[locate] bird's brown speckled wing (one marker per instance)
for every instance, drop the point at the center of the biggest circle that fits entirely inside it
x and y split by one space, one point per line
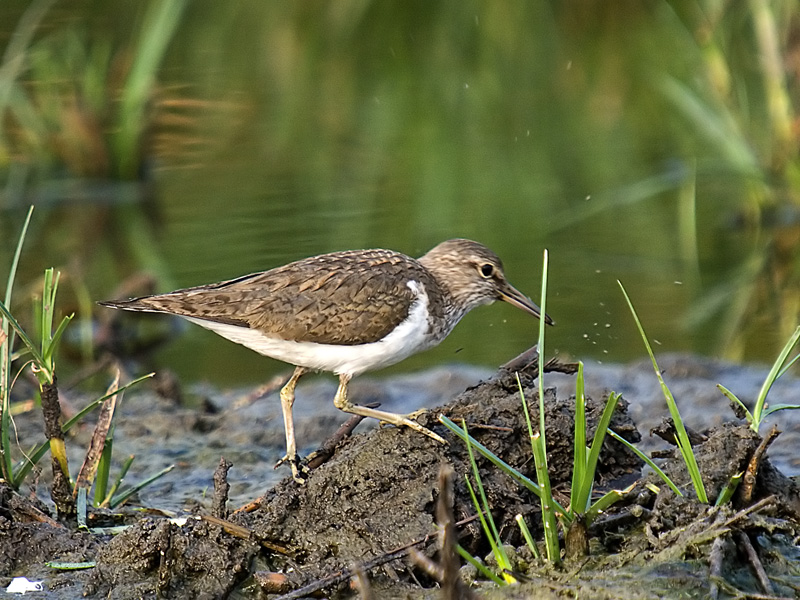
347 298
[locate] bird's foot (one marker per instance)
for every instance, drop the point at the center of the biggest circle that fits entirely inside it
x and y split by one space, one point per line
416 414
300 470
409 420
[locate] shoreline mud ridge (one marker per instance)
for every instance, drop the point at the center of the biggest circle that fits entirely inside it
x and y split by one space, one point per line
360 512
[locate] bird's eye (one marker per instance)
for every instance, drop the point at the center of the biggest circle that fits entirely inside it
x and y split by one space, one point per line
487 269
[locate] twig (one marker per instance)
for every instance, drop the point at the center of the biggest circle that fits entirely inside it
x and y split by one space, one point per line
667 432
328 447
452 586
346 574
51 411
88 471
763 503
245 534
751 473
446 572
528 358
529 361
230 528
24 507
755 562
221 488
715 565
270 386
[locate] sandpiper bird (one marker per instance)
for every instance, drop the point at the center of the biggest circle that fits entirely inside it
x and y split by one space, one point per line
346 312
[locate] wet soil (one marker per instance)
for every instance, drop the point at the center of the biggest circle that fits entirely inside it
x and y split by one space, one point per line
377 495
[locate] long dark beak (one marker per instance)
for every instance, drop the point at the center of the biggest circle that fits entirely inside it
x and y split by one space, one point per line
510 294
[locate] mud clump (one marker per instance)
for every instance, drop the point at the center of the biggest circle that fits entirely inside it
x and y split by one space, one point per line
378 492
189 558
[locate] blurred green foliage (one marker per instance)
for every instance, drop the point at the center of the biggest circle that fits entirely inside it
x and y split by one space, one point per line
653 142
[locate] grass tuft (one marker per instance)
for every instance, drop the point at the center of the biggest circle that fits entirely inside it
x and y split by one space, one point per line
681 437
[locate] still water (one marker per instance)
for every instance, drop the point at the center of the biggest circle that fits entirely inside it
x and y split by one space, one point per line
273 131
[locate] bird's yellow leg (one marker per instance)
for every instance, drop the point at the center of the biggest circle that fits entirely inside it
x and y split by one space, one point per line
342 403
287 401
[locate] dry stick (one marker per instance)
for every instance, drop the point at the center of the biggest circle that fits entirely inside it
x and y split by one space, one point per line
346 574
529 361
273 384
88 471
324 452
229 528
749 480
272 583
718 529
21 506
451 590
245 534
752 556
51 412
166 560
221 488
528 358
763 503
446 573
715 565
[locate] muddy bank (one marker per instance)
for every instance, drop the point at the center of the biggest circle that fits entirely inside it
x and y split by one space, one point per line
378 495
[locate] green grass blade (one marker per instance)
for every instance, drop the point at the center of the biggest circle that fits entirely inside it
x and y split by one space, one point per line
160 22
788 366
482 569
48 308
606 500
71 566
656 469
526 533
546 501
36 355
733 398
539 442
525 412
585 491
131 491
81 508
491 532
579 452
12 274
499 462
543 308
6 358
726 493
682 437
773 374
102 477
6 464
494 544
776 407
118 482
491 456
57 337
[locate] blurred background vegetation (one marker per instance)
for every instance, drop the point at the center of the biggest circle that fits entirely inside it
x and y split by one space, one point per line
655 142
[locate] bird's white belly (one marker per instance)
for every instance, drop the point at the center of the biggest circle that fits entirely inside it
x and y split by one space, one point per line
411 336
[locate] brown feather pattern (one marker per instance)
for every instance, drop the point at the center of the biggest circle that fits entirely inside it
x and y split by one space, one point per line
345 298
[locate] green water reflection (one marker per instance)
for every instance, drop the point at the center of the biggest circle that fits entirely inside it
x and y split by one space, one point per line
636 141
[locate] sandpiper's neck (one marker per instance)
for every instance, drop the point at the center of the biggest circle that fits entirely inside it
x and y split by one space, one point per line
447 303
